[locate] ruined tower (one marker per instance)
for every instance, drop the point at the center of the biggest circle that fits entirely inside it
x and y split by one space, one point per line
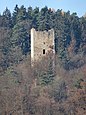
41 43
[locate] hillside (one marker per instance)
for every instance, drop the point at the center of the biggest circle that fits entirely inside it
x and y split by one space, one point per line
40 90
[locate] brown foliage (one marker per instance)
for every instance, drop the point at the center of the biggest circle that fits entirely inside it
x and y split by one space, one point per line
22 94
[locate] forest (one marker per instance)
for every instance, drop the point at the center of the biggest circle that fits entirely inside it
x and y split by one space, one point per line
40 90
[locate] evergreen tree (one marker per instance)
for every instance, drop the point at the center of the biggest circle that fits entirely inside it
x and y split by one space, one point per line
15 13
20 37
35 15
83 35
44 19
48 75
6 17
76 29
22 14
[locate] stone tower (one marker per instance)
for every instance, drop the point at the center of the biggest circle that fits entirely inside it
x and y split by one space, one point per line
41 43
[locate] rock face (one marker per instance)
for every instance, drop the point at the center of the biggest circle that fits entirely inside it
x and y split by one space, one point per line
41 43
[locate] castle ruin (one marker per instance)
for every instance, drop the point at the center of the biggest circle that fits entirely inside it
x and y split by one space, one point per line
41 43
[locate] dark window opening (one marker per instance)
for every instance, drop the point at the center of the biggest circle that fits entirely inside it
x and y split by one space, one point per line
43 51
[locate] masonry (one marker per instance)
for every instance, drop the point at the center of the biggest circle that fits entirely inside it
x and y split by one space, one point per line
41 43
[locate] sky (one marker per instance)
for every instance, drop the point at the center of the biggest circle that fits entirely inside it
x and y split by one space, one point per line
78 6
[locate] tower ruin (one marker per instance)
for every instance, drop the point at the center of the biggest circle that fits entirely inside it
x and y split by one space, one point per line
41 43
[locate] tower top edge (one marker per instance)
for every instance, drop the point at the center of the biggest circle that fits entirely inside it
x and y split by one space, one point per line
33 29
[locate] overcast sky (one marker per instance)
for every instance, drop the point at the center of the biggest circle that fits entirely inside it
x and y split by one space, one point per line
78 6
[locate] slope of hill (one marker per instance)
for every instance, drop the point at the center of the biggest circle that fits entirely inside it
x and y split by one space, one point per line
40 90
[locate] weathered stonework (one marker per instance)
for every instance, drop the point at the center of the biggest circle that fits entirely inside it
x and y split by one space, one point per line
41 43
